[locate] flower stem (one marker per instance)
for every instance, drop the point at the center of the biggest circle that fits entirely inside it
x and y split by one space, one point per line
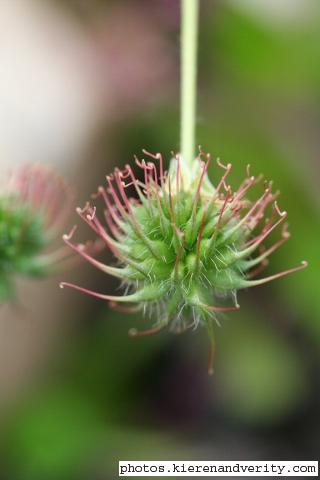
189 36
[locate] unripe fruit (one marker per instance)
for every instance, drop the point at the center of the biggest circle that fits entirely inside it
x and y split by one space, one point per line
182 244
34 205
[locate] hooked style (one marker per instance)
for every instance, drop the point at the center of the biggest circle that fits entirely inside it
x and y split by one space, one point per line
184 247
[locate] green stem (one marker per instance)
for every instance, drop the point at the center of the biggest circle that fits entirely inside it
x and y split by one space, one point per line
189 36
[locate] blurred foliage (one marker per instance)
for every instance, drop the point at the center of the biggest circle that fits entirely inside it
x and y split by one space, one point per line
53 436
62 433
282 62
261 370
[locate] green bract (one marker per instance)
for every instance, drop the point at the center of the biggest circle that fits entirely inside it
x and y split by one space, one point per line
184 247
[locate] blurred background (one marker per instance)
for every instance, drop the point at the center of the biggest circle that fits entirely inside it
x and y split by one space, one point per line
84 85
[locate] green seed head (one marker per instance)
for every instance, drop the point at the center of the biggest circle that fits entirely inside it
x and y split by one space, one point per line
30 212
184 247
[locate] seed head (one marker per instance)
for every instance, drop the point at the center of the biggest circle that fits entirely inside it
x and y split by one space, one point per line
183 247
30 219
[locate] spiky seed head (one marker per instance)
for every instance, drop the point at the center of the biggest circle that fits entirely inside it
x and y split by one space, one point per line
31 216
183 247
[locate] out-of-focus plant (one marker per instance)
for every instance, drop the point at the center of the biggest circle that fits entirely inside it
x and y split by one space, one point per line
34 206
